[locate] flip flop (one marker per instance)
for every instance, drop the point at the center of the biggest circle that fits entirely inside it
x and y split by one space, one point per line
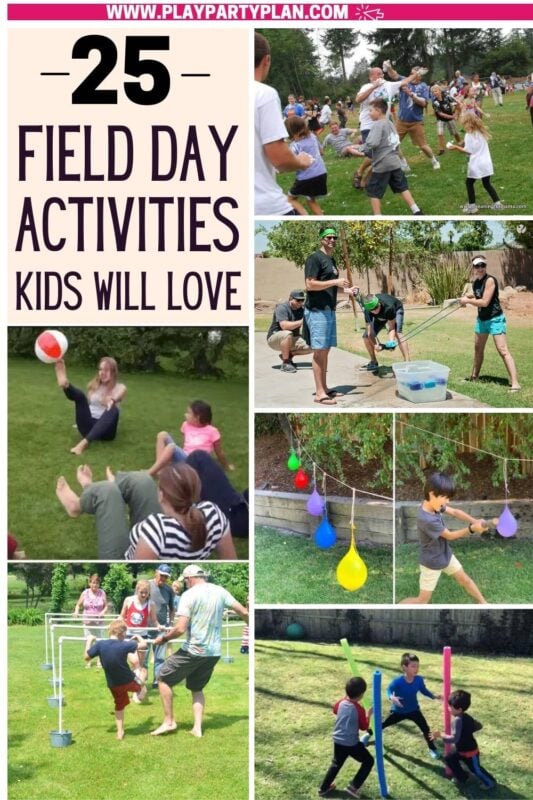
326 401
514 389
333 393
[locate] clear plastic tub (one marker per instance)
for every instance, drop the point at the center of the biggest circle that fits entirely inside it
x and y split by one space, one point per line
422 381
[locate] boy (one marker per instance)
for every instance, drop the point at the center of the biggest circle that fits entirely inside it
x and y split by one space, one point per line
462 736
444 116
351 718
435 553
382 146
402 691
113 653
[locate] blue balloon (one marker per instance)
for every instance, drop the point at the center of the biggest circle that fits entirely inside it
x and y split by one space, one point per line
325 535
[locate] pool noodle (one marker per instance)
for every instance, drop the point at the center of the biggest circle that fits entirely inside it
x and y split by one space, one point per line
447 688
353 666
378 737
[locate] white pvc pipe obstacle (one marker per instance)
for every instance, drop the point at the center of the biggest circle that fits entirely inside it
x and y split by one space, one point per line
60 737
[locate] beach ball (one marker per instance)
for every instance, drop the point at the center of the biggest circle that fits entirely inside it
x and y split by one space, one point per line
507 524
50 346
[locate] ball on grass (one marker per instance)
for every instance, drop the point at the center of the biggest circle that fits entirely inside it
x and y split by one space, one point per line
51 346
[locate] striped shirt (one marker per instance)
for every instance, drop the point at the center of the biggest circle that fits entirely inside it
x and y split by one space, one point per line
168 538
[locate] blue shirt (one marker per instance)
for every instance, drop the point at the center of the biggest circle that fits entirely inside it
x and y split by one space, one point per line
409 111
114 657
407 693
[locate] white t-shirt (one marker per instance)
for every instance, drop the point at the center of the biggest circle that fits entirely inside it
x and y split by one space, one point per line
269 127
387 91
325 115
204 606
480 162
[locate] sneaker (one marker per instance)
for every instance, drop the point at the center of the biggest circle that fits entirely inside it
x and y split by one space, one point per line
436 164
352 791
498 205
418 213
434 754
288 366
470 208
324 792
364 739
372 366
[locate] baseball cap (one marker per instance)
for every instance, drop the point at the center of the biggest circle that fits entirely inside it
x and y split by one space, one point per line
193 571
164 569
479 261
297 294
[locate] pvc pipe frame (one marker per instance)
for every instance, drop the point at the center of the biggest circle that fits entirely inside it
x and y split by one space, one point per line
378 733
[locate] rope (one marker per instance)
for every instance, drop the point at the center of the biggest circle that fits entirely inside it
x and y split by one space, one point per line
430 321
505 459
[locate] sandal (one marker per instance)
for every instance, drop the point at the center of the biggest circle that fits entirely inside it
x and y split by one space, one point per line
333 393
326 401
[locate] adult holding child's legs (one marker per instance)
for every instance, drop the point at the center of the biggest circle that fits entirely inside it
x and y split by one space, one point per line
490 321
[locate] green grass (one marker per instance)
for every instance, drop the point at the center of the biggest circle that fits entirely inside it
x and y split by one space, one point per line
41 434
292 569
451 342
502 569
442 192
296 684
96 764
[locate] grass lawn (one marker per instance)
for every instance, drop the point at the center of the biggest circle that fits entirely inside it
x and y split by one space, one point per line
451 342
502 569
442 192
41 434
96 764
296 684
312 571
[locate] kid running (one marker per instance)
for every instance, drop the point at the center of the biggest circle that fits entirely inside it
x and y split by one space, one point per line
463 728
479 161
198 434
402 691
351 718
311 182
435 553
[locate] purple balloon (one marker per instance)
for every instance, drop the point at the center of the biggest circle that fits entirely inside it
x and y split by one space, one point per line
507 524
325 535
315 504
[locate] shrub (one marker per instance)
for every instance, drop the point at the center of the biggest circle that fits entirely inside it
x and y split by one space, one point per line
24 616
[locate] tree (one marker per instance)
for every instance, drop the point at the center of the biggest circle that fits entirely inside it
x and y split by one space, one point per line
36 578
59 588
295 62
474 235
519 234
340 42
117 584
405 47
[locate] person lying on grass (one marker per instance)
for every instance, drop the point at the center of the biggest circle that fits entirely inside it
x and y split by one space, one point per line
113 654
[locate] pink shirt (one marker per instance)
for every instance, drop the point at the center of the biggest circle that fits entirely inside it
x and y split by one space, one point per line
199 437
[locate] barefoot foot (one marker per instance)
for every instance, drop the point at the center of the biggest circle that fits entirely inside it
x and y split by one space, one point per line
165 727
196 732
80 447
68 498
110 475
61 374
84 475
120 735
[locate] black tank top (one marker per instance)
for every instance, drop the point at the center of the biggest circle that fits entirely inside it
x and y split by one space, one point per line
494 308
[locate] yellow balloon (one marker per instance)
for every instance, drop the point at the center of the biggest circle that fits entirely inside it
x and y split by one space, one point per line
351 570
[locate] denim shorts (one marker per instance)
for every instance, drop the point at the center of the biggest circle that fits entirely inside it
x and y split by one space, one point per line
493 326
322 324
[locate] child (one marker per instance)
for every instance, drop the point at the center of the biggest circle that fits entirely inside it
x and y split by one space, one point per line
310 182
382 146
198 434
351 718
403 691
462 736
479 161
341 114
120 679
443 108
138 611
470 105
435 553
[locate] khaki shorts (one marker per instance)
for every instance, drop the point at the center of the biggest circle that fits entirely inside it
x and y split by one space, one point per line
415 131
430 577
298 343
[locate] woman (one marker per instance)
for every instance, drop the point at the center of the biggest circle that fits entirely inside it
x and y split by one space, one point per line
490 321
167 522
93 601
97 412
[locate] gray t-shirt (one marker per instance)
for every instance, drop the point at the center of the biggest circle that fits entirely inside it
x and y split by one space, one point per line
435 552
338 140
382 146
346 730
285 313
163 597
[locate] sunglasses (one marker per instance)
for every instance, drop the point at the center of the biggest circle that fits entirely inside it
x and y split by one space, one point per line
331 238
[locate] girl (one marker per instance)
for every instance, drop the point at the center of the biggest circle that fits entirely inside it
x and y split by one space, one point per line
325 112
312 112
93 601
470 105
97 413
138 611
312 181
198 434
479 161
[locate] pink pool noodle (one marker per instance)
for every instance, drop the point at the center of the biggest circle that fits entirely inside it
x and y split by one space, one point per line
446 690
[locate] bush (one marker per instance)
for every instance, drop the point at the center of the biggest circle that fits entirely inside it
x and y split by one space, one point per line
24 616
59 588
446 280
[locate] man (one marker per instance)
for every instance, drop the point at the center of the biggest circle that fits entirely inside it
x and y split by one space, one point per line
338 139
199 614
414 97
271 151
162 596
284 332
383 310
322 281
293 109
496 84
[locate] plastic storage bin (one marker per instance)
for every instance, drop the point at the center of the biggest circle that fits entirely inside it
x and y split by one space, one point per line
421 381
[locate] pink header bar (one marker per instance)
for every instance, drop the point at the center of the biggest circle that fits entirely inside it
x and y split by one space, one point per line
271 12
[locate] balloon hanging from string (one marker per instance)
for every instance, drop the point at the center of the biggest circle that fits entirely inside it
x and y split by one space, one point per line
293 461
315 504
507 525
351 569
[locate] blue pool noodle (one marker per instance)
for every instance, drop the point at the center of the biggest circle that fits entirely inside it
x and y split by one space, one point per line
378 733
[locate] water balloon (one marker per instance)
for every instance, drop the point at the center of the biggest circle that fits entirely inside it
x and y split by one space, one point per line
315 504
351 570
301 479
325 535
507 524
294 462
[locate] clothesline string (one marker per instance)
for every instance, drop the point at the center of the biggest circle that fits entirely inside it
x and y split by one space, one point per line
323 471
464 444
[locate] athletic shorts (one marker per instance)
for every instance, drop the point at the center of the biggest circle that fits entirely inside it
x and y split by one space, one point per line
195 670
311 187
275 341
120 694
430 577
378 325
493 326
415 131
322 324
446 124
377 185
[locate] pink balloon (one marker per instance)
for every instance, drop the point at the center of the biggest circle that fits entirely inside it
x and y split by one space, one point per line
507 524
315 504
